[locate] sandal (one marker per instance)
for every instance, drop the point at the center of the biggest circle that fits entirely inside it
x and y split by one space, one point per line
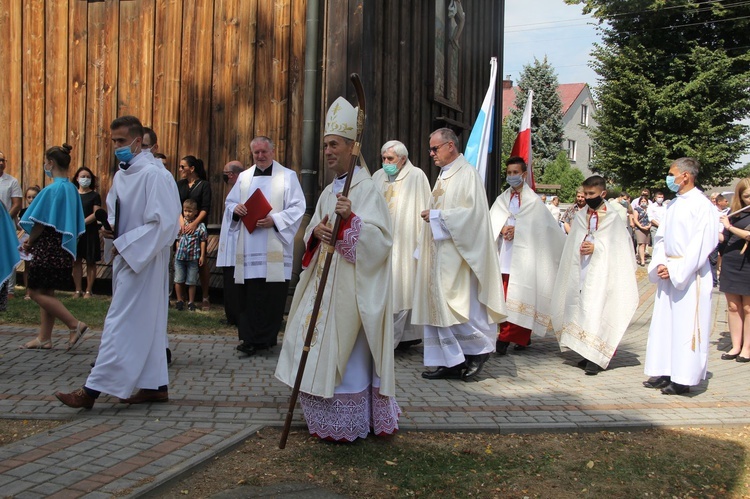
77 294
87 295
37 344
80 330
206 305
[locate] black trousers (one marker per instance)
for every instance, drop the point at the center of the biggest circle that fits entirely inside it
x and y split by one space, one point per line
231 296
261 311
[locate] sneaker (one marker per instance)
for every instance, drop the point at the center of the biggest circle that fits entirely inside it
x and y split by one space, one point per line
180 305
191 306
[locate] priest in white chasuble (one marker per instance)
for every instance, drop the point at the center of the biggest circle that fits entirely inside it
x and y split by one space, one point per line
677 348
263 257
407 192
348 388
596 293
458 296
143 206
529 244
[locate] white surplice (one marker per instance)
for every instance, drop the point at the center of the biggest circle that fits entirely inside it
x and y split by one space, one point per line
459 294
286 221
531 258
681 322
131 354
407 194
595 295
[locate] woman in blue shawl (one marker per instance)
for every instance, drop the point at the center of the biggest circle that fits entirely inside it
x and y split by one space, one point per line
54 220
9 257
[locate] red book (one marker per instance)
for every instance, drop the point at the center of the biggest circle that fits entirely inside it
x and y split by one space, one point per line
257 207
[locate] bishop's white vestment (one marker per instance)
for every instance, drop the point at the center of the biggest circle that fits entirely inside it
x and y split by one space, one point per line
458 296
530 259
681 322
407 195
595 295
349 382
134 339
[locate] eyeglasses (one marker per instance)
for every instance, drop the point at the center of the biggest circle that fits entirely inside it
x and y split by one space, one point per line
434 150
182 167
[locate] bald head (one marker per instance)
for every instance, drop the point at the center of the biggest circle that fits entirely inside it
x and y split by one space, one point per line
231 171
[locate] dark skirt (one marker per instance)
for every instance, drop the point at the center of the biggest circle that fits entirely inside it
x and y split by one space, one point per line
51 266
89 245
735 272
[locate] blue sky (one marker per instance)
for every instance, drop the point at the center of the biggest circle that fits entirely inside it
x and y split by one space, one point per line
559 31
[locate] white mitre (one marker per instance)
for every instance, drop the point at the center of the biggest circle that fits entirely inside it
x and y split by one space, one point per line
341 119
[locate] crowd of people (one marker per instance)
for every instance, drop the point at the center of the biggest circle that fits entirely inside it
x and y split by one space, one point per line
388 262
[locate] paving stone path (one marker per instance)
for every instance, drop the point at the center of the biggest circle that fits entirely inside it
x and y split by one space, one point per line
218 398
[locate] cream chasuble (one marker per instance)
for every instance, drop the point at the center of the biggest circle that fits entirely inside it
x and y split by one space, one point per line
595 295
267 252
134 338
681 321
535 257
354 299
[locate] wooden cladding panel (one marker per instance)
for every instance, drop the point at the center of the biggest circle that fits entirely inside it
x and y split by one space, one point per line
293 152
10 88
77 78
280 79
264 59
33 91
135 82
246 73
56 73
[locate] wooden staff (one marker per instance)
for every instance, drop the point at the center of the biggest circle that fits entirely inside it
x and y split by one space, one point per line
329 249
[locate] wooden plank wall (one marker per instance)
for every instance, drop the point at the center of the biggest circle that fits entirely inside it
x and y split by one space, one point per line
207 75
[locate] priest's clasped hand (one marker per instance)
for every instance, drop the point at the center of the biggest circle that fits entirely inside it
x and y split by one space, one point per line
425 215
343 206
587 248
240 210
662 271
322 231
266 223
508 232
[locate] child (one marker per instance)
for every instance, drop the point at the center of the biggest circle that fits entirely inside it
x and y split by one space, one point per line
191 251
596 293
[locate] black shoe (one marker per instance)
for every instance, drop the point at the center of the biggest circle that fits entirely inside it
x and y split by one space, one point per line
180 305
592 369
675 389
404 346
582 363
657 382
191 306
741 359
443 372
522 347
474 366
501 347
169 356
729 356
247 348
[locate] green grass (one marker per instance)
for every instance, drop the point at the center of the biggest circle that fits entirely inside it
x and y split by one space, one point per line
93 311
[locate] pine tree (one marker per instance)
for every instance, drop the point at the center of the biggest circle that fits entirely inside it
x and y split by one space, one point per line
674 82
546 112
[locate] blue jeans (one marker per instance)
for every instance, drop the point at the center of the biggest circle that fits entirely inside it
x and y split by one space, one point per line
186 272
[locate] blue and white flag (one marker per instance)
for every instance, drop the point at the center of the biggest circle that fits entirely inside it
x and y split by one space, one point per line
479 144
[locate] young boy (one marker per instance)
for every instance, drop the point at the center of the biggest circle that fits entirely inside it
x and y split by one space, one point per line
596 293
191 251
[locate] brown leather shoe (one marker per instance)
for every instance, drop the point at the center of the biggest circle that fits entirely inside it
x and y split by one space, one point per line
76 399
146 396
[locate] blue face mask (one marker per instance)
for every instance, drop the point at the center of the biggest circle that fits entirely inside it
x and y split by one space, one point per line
390 169
671 185
514 180
46 171
124 154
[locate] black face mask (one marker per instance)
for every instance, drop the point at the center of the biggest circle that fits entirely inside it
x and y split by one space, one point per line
594 203
225 177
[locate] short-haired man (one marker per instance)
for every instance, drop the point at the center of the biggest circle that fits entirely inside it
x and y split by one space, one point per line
529 244
570 213
596 292
458 296
225 255
150 140
10 197
263 257
407 192
143 207
677 350
645 193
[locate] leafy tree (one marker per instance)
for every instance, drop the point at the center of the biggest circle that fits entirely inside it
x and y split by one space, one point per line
561 172
675 81
546 112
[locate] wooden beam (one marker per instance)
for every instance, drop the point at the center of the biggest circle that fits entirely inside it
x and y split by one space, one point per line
77 77
33 92
295 109
11 98
246 71
56 74
136 60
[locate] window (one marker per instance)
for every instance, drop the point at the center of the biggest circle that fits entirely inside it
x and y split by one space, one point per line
591 153
572 150
585 115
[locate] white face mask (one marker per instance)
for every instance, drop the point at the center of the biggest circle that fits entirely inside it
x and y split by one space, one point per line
84 181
